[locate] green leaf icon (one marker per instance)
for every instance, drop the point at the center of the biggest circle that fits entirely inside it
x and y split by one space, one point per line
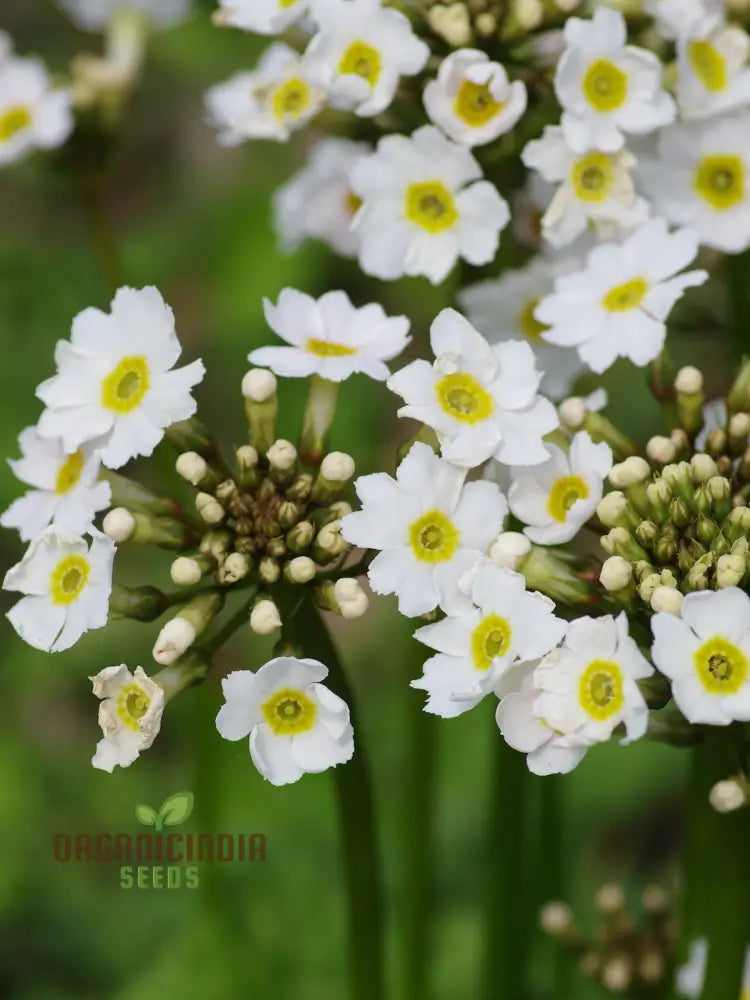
175 809
145 814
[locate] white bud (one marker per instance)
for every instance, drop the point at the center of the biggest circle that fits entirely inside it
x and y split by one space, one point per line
616 573
247 456
661 449
119 525
727 796
652 967
301 569
258 385
730 569
567 5
689 381
337 467
191 466
452 23
329 538
633 470
617 974
485 23
350 597
529 13
572 412
265 618
666 599
610 898
175 638
282 455
235 567
648 586
739 425
612 508
185 572
556 918
509 549
209 508
703 468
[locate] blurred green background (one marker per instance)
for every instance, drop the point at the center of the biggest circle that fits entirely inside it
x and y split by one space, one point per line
194 220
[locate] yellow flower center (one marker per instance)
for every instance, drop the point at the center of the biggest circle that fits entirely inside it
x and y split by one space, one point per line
622 298
490 639
69 472
464 399
592 177
328 348
600 691
361 59
132 705
721 667
605 86
475 104
434 538
431 206
290 99
286 3
720 180
564 494
68 579
709 65
288 712
529 325
353 203
13 121
126 385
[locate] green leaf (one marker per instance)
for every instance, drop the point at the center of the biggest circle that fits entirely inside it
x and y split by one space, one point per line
145 814
175 809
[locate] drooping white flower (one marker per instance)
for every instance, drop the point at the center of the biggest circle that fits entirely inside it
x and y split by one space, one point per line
318 202
713 75
33 115
266 17
607 87
269 102
556 499
360 51
705 651
700 177
503 309
129 715
595 189
675 18
481 400
472 100
67 584
476 648
94 15
67 492
618 304
115 386
296 725
691 976
424 205
330 337
431 529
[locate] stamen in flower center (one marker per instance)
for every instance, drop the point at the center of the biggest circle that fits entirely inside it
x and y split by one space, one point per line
475 103
605 86
361 59
721 666
69 472
592 177
328 348
529 325
289 711
126 385
564 494
13 121
720 180
628 296
132 705
709 65
68 579
490 639
291 99
601 690
463 398
433 537
431 206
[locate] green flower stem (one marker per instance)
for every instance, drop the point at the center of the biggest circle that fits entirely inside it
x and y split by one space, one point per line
102 235
318 417
738 273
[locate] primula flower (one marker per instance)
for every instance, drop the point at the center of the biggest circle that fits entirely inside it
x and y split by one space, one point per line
481 400
94 15
618 304
330 337
430 527
296 725
266 17
33 115
129 715
424 205
114 385
67 584
67 491
675 18
713 73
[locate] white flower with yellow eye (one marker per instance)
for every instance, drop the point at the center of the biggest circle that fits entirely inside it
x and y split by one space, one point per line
713 75
476 648
318 202
705 652
674 18
607 87
360 52
431 529
266 17
700 177
67 584
330 337
94 15
32 114
424 205
617 306
115 385
129 715
503 309
481 400
472 100
556 499
67 492
296 725
594 189
270 102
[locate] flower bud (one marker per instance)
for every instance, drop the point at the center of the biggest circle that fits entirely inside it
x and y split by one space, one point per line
630 472
647 532
728 796
705 529
289 514
261 407
702 468
329 543
666 599
336 469
300 536
268 570
648 585
697 578
689 381
661 449
259 385
730 570
617 974
485 23
119 525
350 597
610 899
529 13
215 543
235 567
556 919
192 467
739 431
276 547
572 412
143 604
616 574
655 899
739 394
620 542
265 617
680 440
659 496
339 509
247 465
679 513
452 23
301 488
509 549
185 572
282 456
614 511
300 570
174 639
209 509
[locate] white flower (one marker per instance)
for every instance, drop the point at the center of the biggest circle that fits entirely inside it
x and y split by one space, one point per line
360 51
713 74
266 17
674 18
503 309
32 114
700 177
556 499
472 99
330 337
269 102
67 584
618 304
67 491
296 725
129 715
94 15
430 527
607 87
424 205
705 651
114 385
318 202
475 648
481 400
595 188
